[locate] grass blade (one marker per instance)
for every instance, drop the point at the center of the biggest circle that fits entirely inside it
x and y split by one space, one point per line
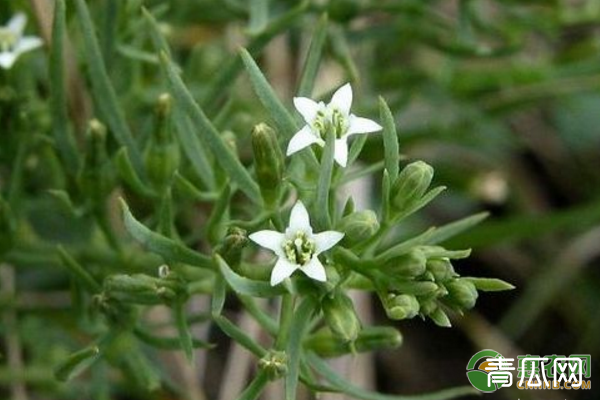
390 140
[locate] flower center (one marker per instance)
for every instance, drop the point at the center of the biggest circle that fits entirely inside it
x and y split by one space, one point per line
299 249
7 39
333 120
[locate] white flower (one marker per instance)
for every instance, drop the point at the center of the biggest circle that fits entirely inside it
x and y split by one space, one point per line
12 41
335 115
298 247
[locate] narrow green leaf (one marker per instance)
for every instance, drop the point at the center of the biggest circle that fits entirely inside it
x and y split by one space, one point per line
245 286
298 329
259 15
452 229
239 336
170 250
405 246
76 363
356 147
390 140
143 372
194 149
167 343
324 183
232 68
281 116
129 175
255 388
352 390
187 188
102 87
185 336
218 296
158 40
215 226
489 284
224 156
58 98
78 271
313 59
422 202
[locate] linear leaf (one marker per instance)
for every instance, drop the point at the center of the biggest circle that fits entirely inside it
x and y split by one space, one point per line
104 93
390 140
239 336
58 99
224 156
298 328
452 229
350 389
245 286
170 250
313 59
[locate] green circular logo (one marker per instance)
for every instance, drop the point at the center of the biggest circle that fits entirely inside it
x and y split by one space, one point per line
476 372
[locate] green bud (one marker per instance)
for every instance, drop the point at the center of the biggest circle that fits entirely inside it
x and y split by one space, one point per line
411 185
275 364
96 178
7 228
268 161
162 156
440 318
428 306
404 306
369 339
359 226
232 245
462 293
441 269
341 317
144 289
410 264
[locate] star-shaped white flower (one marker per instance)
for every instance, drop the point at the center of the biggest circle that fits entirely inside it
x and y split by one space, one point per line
12 41
336 115
298 247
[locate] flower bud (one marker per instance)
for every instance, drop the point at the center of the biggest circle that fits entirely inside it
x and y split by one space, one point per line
232 245
268 161
143 289
404 306
410 264
341 317
462 293
161 156
411 185
441 269
274 364
369 339
359 226
96 178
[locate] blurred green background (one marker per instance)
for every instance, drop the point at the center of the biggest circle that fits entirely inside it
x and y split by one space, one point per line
501 97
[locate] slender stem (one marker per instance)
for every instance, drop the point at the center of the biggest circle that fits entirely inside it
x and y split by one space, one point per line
285 320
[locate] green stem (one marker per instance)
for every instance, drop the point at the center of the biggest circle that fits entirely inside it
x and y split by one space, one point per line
285 321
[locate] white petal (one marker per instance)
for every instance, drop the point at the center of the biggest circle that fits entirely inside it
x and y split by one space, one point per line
271 240
308 108
340 151
282 270
17 24
7 59
362 125
326 240
299 220
303 138
315 270
27 43
342 99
